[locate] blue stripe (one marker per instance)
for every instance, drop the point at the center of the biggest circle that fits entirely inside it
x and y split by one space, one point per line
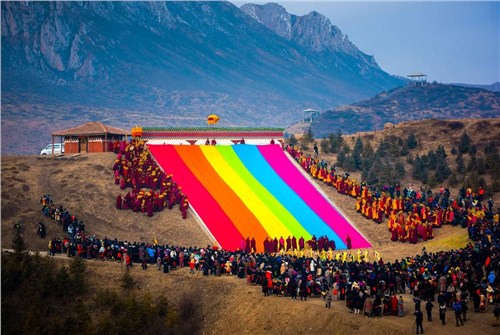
267 176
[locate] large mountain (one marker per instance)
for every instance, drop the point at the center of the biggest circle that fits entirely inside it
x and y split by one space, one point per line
171 63
432 101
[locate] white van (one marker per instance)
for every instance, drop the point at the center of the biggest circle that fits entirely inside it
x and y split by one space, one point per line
58 149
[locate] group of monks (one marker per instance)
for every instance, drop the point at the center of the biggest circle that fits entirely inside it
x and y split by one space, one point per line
289 245
152 189
323 243
408 219
418 223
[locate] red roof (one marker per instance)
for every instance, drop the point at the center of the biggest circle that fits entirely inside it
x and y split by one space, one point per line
91 128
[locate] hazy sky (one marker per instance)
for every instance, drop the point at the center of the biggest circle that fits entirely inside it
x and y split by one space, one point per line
451 42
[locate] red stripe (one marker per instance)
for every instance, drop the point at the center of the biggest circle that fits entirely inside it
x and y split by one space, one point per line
202 201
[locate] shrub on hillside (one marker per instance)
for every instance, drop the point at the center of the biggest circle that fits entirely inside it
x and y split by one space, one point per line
308 137
495 185
324 144
411 141
127 281
455 125
341 157
35 287
464 143
189 310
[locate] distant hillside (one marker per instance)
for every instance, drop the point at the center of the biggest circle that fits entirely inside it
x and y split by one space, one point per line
434 101
168 63
495 87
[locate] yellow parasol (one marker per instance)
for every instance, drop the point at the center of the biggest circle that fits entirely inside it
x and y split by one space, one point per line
213 119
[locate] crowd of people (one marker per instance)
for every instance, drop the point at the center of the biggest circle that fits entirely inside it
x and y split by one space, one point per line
152 190
72 228
411 213
69 223
367 285
363 281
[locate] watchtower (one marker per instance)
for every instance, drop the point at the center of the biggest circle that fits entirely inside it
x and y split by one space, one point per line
310 115
417 79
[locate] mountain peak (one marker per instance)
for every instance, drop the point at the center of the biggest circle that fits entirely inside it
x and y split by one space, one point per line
315 14
314 31
273 16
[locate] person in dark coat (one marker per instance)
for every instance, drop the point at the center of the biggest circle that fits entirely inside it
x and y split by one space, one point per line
465 306
387 305
301 243
496 314
328 298
442 313
119 202
348 242
377 307
248 245
357 302
292 288
457 307
303 290
264 286
253 245
428 307
419 318
41 230
294 243
145 259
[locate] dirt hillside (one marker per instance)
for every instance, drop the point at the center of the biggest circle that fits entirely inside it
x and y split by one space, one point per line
86 188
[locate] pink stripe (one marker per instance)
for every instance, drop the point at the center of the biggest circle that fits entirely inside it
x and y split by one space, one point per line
323 208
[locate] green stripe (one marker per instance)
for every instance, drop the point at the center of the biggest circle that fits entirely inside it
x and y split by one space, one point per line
263 193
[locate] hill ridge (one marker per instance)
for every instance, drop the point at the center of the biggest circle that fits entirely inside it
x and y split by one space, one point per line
432 101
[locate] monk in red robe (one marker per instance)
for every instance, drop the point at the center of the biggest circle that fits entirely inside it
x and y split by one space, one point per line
119 202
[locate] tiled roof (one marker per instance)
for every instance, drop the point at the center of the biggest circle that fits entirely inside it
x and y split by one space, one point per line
91 128
217 129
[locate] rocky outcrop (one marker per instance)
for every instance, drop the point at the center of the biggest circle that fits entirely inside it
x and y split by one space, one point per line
313 31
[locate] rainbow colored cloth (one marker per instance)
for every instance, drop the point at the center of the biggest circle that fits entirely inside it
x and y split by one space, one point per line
253 191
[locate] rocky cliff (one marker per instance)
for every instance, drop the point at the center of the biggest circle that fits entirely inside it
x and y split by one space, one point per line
313 31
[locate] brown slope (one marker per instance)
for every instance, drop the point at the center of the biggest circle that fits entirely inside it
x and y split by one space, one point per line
438 101
229 306
430 134
86 188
